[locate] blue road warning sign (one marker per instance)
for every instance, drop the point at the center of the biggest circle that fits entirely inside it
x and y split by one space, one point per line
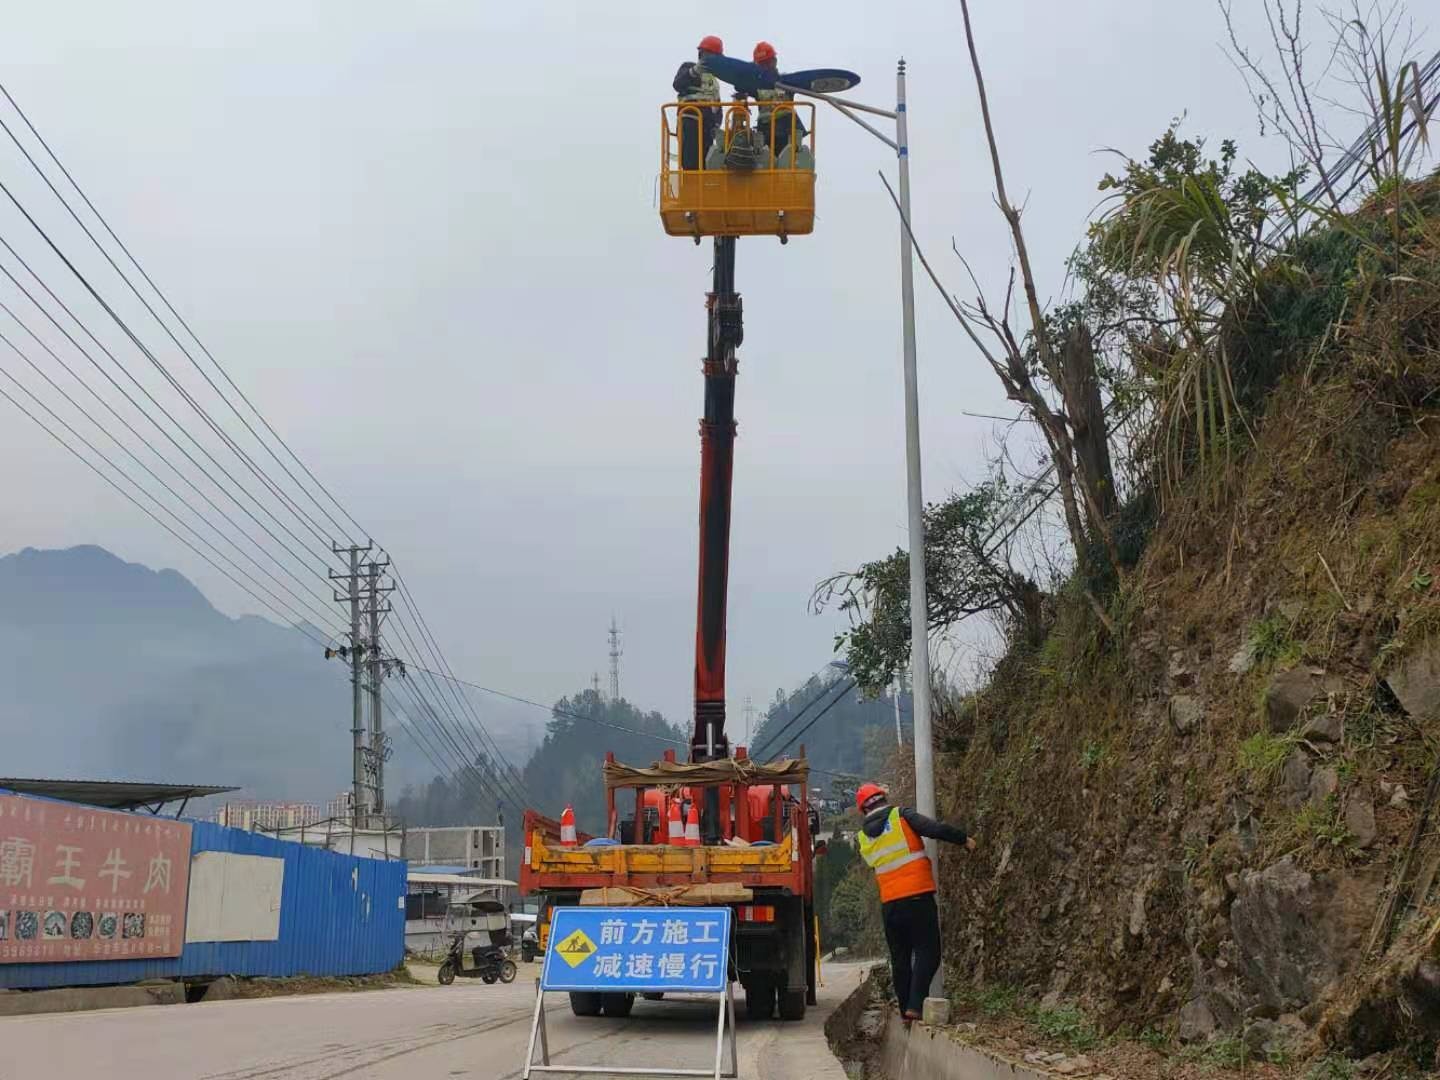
639 950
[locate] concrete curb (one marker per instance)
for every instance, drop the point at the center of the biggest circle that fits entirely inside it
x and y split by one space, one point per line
930 1053
87 998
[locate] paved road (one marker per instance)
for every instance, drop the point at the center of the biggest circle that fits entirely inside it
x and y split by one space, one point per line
465 1030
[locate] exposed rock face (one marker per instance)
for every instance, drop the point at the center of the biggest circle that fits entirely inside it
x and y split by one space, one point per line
1296 934
1324 782
1290 694
1197 1021
1416 681
1295 779
1186 713
1360 819
1327 726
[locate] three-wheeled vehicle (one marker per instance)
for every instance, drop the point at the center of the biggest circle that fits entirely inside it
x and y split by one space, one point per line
479 931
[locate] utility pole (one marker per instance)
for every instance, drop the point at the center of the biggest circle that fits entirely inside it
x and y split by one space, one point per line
359 803
615 653
377 606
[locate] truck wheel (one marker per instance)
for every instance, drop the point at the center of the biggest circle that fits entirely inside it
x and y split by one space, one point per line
792 1004
759 1001
584 1003
617 1005
446 975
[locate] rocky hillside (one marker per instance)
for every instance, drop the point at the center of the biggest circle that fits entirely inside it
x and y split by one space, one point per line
1220 820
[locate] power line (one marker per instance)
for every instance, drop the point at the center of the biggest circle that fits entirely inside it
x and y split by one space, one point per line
564 712
109 461
815 719
438 656
146 510
145 351
264 479
418 737
770 739
456 730
467 732
464 767
181 320
506 776
145 413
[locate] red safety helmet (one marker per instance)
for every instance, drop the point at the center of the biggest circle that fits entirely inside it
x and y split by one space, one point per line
764 52
712 44
866 794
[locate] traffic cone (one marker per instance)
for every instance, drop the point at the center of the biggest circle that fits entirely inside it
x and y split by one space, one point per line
675 828
567 827
692 826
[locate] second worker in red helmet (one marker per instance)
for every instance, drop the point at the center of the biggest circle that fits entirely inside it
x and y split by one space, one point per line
780 126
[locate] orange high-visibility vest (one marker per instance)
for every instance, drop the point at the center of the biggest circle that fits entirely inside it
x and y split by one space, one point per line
898 858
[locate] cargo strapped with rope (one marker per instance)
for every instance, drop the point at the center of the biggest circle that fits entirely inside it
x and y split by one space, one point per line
726 770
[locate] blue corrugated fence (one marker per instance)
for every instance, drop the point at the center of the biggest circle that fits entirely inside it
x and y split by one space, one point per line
339 915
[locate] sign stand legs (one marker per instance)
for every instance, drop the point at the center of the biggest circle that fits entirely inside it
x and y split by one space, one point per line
727 1011
537 1028
724 1025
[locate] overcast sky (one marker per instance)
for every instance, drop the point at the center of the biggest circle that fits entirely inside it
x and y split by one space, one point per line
423 238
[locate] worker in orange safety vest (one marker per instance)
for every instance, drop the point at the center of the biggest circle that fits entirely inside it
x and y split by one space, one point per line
890 842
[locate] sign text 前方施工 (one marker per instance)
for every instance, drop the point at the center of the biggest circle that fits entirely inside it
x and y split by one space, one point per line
638 950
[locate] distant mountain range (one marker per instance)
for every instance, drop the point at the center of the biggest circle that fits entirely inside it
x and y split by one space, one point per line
112 670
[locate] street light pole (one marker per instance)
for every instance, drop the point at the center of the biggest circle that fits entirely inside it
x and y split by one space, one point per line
919 607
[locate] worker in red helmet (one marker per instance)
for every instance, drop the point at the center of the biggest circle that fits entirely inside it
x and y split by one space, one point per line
781 126
693 82
890 842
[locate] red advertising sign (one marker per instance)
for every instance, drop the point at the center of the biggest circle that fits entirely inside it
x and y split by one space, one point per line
81 884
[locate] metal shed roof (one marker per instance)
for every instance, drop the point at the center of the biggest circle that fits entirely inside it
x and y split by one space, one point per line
458 879
112 794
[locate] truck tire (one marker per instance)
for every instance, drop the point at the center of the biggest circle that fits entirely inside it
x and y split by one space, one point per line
617 1006
792 1004
584 1003
760 1000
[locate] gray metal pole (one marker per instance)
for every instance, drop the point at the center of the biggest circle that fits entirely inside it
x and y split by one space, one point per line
357 727
919 608
377 727
899 733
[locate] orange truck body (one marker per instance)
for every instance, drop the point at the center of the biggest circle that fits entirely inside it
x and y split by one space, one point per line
776 948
